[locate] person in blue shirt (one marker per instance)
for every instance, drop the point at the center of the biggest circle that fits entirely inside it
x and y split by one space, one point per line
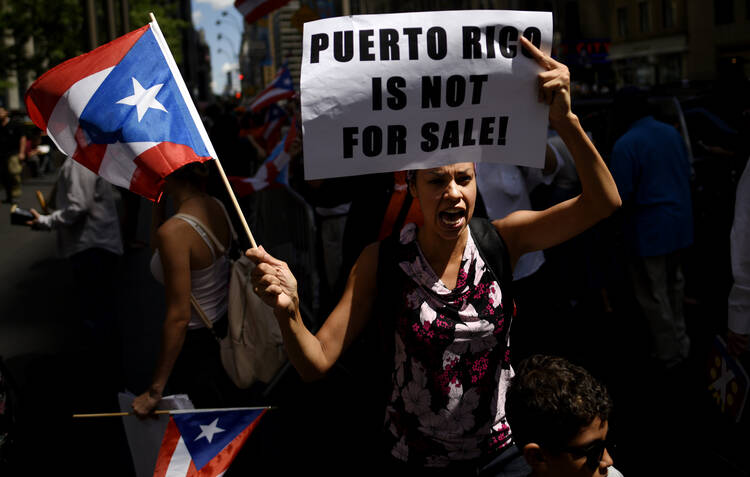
651 167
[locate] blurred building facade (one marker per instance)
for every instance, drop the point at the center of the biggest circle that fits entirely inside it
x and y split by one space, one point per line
581 39
607 43
719 33
254 58
196 57
649 42
277 40
661 42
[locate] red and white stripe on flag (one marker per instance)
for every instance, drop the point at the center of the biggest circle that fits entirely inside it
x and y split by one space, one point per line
281 87
268 171
57 101
175 459
272 129
253 10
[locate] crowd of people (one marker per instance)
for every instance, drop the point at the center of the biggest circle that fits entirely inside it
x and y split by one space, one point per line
21 153
426 278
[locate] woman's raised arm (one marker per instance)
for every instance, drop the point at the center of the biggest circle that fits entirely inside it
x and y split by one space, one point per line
313 355
526 230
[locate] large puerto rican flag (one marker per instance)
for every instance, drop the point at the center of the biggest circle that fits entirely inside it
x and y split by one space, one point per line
204 443
253 10
123 111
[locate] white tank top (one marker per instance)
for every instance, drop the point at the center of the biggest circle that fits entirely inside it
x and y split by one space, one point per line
210 285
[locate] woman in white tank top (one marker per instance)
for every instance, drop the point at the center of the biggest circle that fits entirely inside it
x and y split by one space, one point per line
190 259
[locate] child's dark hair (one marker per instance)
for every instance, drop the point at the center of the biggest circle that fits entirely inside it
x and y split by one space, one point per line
550 400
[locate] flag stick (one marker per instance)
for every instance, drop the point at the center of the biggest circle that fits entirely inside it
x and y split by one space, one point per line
174 411
236 204
199 124
42 202
116 414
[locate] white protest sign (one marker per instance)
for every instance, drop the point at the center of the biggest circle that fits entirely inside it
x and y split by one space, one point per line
416 90
145 435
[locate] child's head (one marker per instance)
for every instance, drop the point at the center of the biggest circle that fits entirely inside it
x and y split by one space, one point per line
559 414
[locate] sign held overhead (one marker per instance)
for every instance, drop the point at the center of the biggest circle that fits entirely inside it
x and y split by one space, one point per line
390 92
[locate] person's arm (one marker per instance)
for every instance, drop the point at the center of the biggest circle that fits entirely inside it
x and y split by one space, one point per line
258 150
79 186
738 335
313 355
525 230
175 259
22 148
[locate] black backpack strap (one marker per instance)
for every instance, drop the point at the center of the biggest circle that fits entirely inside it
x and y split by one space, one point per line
401 218
494 252
388 290
386 253
387 303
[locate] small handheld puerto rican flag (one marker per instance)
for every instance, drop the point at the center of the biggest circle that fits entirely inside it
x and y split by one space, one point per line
204 443
123 111
728 381
281 87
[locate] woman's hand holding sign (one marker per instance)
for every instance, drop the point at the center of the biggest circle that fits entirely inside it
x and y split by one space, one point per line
526 231
554 84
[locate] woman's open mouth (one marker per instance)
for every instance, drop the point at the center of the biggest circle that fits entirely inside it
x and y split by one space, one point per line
452 217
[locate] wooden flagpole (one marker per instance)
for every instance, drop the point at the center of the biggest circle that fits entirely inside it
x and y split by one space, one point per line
199 125
236 204
115 414
174 411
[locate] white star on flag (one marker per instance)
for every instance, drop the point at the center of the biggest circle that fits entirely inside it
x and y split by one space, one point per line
143 99
209 430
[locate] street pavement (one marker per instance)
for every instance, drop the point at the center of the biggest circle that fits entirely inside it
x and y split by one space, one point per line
56 368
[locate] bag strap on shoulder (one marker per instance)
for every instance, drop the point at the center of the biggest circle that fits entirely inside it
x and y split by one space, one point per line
189 218
193 301
388 284
386 252
386 278
494 252
219 246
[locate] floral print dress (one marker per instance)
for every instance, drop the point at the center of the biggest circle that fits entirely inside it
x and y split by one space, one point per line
452 362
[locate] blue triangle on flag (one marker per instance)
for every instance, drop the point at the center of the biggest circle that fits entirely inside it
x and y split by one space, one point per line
107 119
207 433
